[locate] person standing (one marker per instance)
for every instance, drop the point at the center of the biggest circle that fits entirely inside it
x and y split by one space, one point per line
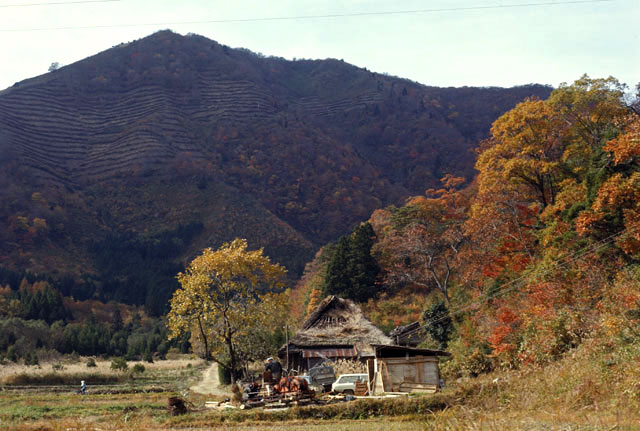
276 369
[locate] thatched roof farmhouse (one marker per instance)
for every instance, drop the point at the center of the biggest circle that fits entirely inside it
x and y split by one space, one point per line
337 329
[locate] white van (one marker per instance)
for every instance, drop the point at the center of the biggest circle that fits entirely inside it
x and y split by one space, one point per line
346 383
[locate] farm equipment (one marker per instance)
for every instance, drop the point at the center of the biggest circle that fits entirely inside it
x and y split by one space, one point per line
322 376
290 390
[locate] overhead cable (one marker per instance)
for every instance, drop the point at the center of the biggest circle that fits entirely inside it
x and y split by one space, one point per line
310 17
57 3
518 282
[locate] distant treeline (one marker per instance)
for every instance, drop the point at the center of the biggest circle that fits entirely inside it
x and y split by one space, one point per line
141 269
36 319
136 269
20 338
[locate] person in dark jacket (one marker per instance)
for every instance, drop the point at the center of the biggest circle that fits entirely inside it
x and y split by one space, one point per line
276 369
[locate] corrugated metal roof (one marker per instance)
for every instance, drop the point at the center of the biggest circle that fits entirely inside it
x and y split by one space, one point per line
382 349
330 353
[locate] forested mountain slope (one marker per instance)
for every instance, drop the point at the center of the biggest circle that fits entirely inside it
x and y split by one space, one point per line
535 261
139 156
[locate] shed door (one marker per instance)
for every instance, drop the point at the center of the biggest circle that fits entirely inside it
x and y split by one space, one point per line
431 375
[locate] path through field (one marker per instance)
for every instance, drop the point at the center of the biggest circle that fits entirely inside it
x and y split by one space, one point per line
210 384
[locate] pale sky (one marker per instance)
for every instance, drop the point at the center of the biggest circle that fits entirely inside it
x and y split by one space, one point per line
441 43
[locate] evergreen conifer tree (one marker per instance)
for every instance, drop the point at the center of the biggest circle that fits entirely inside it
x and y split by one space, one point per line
352 271
337 279
438 323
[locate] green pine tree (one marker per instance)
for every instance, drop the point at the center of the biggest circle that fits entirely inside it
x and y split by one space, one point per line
438 323
351 270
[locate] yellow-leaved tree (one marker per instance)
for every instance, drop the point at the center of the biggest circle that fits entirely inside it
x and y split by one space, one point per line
225 296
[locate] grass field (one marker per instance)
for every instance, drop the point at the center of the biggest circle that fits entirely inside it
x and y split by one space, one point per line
168 368
578 393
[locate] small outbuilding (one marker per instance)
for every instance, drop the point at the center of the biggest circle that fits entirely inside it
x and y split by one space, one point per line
337 329
404 369
408 335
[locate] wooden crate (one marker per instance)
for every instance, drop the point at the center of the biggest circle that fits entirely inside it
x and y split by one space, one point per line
361 389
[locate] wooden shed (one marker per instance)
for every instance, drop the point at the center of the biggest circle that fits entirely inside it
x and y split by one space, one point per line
337 329
404 369
409 335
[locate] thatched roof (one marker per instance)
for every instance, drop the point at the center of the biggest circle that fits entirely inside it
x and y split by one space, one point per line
338 322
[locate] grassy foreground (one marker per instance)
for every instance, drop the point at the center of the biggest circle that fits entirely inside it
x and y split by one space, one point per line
596 387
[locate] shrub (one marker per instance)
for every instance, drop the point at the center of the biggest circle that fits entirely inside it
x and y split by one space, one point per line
478 362
163 348
91 363
130 356
12 355
438 323
119 364
31 359
237 393
148 356
224 375
138 369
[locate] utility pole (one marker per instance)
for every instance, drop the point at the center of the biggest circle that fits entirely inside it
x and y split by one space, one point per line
286 337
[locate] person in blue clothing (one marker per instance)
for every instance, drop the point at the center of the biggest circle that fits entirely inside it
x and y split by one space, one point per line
83 387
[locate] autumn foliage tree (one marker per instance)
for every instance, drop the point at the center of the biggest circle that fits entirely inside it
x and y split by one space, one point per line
551 170
422 246
537 254
539 161
618 198
225 296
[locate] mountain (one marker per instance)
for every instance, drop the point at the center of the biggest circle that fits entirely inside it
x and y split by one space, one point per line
117 169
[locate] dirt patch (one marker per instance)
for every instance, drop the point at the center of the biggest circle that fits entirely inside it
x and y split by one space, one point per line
210 383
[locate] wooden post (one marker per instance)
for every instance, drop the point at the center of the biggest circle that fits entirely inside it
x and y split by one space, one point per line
286 337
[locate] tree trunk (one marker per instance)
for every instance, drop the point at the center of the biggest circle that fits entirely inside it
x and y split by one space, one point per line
232 354
207 356
232 360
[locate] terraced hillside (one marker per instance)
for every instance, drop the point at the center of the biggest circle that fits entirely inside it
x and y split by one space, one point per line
287 153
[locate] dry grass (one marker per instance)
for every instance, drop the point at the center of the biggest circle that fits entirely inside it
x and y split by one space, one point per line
594 388
363 425
135 422
79 366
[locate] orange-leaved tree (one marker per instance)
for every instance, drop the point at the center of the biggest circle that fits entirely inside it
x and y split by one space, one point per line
423 244
542 176
618 199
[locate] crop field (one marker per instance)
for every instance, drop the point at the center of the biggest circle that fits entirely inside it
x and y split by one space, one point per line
44 397
33 398
65 376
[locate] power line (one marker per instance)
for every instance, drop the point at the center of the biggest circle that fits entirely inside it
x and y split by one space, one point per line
58 3
573 257
309 17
